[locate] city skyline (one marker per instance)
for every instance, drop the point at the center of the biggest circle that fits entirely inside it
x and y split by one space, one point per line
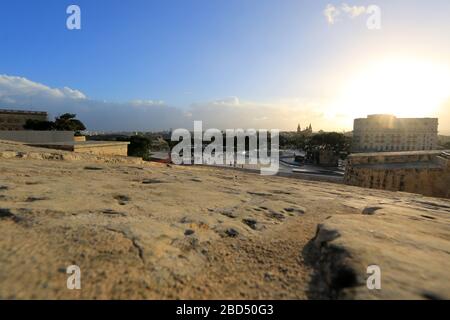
258 64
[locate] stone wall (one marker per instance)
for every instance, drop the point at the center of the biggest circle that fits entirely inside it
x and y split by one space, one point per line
15 119
422 172
393 157
31 136
79 138
115 148
99 148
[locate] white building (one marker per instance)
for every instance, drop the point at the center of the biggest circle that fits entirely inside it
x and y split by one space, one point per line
389 133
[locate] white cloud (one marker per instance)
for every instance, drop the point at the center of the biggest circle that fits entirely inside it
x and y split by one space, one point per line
70 93
232 101
331 13
18 86
21 93
237 113
143 115
146 103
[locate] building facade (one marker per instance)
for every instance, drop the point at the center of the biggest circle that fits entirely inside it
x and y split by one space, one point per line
13 120
307 132
378 133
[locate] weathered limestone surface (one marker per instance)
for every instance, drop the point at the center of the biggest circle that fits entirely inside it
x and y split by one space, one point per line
410 246
17 150
144 231
103 148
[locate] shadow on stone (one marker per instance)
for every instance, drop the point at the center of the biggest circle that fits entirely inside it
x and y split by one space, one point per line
332 274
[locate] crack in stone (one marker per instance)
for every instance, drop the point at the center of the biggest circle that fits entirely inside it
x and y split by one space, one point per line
133 240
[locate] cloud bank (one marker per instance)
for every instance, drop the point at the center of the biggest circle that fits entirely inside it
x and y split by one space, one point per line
143 115
155 115
21 93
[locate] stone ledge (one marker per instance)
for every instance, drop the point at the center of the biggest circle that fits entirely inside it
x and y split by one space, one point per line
410 247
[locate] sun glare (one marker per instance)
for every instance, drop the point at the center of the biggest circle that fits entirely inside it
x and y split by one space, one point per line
403 87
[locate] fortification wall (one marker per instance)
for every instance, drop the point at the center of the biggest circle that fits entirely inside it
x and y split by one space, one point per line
423 173
117 149
31 136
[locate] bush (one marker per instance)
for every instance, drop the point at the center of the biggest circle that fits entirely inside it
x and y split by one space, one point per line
65 122
139 147
39 125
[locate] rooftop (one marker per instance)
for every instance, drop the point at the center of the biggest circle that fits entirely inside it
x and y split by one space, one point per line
392 117
9 111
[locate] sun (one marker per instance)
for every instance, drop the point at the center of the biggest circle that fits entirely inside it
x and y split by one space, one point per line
403 87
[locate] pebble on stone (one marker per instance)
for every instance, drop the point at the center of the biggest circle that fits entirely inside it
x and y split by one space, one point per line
371 210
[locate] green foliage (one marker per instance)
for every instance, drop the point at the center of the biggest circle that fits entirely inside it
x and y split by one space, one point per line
337 142
39 125
296 141
334 141
159 144
65 122
140 147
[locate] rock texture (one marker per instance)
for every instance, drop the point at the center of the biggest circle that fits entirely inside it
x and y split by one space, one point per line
145 231
410 245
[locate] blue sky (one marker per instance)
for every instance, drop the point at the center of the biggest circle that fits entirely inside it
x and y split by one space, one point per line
203 57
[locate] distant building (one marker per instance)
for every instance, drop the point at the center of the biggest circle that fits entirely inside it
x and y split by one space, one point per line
378 133
307 131
13 120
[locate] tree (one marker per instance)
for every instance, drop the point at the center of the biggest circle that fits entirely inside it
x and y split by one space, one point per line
336 142
140 147
39 125
292 140
67 122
